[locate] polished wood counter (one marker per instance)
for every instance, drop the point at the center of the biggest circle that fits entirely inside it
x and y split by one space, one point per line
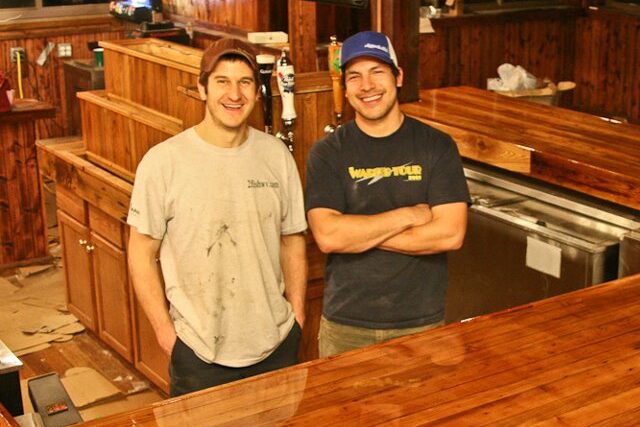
568 360
23 234
567 148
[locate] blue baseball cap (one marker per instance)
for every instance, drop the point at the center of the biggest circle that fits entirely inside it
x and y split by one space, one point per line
368 43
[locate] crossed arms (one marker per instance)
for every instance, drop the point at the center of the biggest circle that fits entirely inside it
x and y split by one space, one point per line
411 230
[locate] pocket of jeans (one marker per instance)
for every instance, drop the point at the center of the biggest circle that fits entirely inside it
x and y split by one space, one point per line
173 350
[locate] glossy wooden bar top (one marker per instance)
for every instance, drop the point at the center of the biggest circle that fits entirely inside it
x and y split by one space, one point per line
564 147
569 360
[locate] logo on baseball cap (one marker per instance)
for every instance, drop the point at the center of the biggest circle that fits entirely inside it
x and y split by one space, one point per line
368 43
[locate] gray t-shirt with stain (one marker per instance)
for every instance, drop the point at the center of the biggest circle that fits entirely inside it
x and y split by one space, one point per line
220 213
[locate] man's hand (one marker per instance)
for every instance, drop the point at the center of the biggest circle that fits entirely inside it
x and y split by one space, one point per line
167 339
300 318
420 214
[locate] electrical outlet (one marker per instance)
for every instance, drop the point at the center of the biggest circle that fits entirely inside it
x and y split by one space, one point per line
64 50
14 51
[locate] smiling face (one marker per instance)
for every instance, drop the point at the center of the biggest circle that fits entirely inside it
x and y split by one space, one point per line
230 95
372 90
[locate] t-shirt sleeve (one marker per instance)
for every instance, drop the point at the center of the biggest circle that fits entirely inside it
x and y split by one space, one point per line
448 183
293 219
324 187
148 208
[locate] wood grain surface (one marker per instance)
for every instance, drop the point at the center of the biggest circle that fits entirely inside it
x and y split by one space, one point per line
568 148
569 360
23 234
47 82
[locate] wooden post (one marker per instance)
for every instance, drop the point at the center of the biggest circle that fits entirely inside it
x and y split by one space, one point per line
302 35
399 20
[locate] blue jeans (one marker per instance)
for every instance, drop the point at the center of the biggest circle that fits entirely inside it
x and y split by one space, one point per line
190 373
335 338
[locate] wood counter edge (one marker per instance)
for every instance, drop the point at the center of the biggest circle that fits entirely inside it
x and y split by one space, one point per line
62 160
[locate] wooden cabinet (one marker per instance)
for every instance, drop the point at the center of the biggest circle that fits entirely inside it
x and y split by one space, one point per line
98 290
23 233
112 295
149 357
79 75
81 300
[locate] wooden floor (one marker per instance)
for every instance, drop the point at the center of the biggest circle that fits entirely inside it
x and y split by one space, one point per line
86 350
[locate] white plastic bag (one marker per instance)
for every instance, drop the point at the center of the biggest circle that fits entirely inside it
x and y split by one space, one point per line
512 78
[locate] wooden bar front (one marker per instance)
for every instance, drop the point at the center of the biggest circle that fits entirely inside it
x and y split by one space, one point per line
23 234
569 360
563 147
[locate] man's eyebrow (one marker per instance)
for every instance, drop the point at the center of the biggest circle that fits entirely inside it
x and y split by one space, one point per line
226 77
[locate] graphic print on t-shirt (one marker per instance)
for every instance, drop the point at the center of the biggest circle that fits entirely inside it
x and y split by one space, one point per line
408 171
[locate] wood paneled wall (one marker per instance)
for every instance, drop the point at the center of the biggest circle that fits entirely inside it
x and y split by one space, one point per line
599 50
607 64
468 50
47 82
239 15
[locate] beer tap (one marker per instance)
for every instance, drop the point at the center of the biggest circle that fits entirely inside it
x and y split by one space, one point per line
286 86
336 76
265 67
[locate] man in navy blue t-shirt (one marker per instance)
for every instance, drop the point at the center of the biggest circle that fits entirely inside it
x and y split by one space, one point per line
386 199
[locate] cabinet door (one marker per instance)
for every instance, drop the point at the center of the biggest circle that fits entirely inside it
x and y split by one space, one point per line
150 359
148 356
112 294
77 270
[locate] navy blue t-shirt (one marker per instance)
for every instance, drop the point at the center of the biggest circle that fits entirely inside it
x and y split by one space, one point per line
354 173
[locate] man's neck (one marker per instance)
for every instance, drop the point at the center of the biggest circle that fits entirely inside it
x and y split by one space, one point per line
220 136
381 127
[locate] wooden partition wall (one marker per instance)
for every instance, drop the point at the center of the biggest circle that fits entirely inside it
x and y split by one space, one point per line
598 49
468 50
46 82
232 15
607 64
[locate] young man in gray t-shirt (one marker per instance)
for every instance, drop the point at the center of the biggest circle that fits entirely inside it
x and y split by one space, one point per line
222 204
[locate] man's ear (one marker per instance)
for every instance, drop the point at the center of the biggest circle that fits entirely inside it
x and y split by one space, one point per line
399 77
202 92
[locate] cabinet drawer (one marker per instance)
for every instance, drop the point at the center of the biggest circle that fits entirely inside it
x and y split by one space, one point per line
71 204
106 226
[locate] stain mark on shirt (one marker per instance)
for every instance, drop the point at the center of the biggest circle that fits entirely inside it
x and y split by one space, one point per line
222 231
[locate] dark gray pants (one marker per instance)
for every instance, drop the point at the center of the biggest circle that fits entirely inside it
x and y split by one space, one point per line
190 373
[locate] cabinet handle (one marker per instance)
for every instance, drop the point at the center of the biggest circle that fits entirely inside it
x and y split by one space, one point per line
89 248
82 242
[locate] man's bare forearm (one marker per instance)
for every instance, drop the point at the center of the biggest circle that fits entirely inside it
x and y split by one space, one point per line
445 232
293 259
349 233
149 288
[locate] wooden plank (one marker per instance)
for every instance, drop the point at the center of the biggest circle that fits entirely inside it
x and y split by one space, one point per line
93 184
302 35
570 358
495 152
118 132
567 148
22 228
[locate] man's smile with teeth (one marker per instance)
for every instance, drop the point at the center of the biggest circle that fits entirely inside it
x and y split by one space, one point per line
371 98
